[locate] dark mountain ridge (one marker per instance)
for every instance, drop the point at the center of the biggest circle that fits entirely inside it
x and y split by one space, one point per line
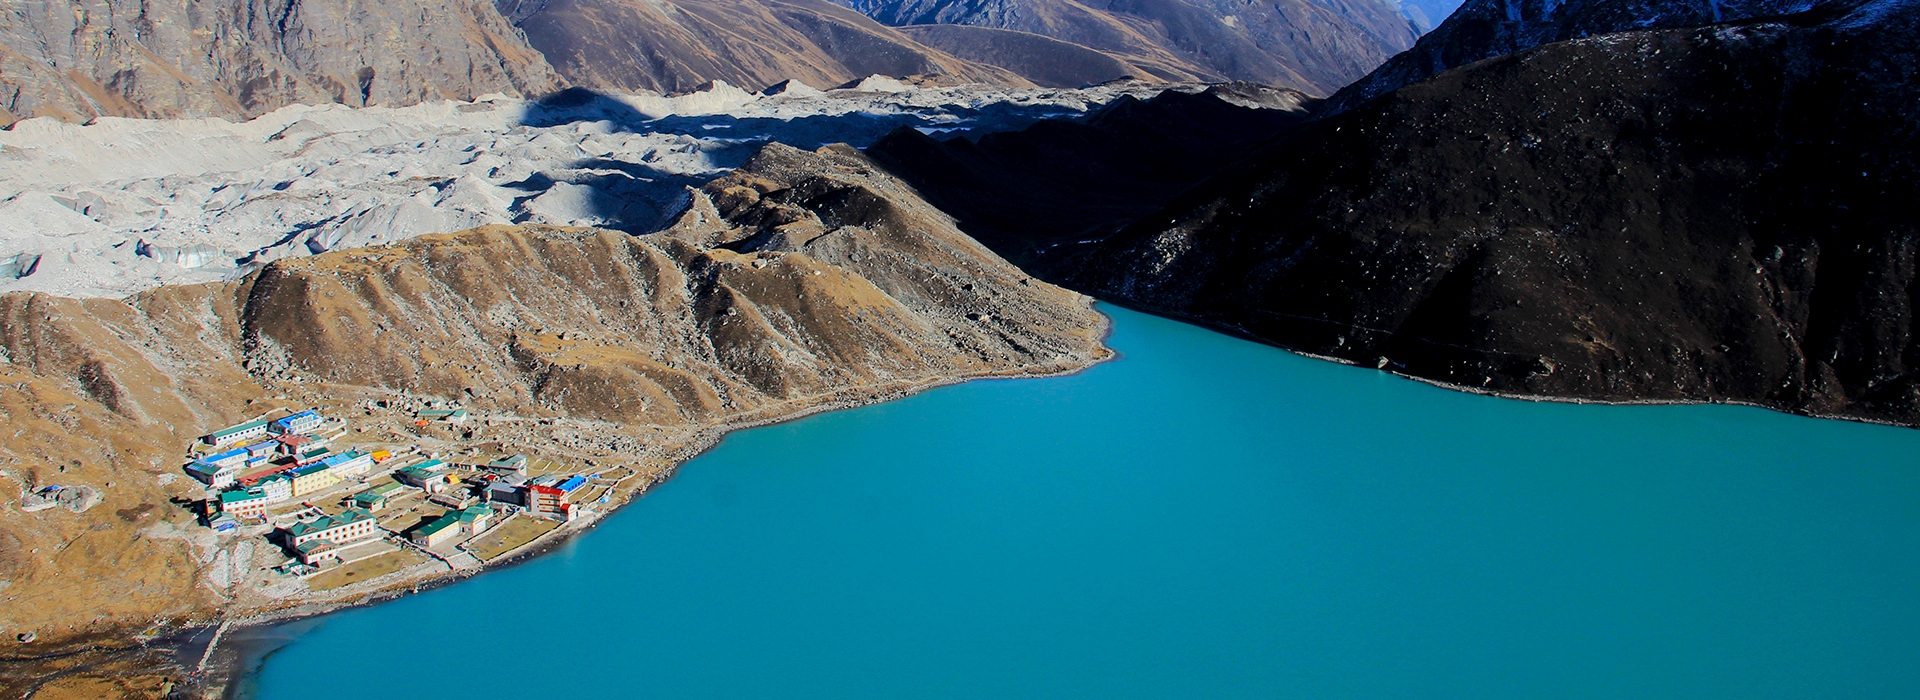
1038 196
1483 29
1721 213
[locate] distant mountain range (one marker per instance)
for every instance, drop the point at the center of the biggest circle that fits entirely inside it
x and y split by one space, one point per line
1606 199
240 58
678 45
1315 46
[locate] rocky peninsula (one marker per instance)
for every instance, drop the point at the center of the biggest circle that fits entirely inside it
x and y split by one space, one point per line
802 281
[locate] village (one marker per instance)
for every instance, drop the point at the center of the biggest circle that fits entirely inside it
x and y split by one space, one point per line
354 512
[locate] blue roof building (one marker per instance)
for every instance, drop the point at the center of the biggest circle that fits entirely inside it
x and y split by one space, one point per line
302 422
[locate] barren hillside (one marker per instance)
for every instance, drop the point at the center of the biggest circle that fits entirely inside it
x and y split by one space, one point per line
802 280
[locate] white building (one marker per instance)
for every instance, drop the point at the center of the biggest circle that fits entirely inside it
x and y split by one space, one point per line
299 423
350 526
218 477
243 432
349 464
278 488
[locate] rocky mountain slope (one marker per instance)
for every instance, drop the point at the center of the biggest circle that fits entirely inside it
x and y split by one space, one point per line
240 58
802 280
679 45
1721 213
1046 61
1041 195
1483 29
1315 46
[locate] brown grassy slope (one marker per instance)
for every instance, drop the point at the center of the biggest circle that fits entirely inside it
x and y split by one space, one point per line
812 277
1315 46
1046 61
674 46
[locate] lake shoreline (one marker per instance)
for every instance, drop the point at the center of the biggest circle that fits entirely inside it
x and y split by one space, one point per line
1243 334
223 666
1217 517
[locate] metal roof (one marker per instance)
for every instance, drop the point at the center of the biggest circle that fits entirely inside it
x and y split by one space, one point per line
329 522
241 428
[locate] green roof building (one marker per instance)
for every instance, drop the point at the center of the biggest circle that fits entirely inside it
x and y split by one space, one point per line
369 501
350 525
440 530
243 502
240 496
236 433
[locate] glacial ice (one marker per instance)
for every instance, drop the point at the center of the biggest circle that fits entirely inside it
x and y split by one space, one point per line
117 206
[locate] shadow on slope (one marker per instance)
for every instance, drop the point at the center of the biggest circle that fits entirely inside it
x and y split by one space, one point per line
859 124
1721 213
1042 196
638 197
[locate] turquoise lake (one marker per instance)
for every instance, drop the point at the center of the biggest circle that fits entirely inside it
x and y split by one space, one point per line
1204 517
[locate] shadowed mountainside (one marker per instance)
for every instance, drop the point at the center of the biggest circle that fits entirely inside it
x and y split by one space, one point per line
800 280
1483 29
241 58
1042 195
1721 213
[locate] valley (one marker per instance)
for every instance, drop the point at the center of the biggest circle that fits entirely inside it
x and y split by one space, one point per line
565 246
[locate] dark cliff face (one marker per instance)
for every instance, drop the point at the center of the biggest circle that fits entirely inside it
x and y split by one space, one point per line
1315 46
1041 195
1722 213
1482 29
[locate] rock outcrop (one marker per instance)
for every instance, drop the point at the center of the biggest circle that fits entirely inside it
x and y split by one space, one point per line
241 58
1720 214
